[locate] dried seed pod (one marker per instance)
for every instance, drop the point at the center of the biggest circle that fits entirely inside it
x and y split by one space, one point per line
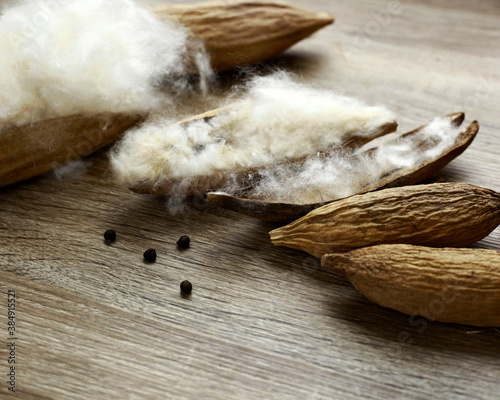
438 215
247 202
276 123
200 184
240 32
32 149
450 285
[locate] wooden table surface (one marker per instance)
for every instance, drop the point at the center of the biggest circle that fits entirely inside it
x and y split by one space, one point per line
93 321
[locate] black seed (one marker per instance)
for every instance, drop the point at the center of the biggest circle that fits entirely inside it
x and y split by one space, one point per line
110 235
183 242
186 287
150 255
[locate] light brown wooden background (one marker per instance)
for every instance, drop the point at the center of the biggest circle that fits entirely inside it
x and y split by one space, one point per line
95 322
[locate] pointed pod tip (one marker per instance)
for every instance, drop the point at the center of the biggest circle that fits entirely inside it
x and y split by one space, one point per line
474 125
468 133
456 119
275 235
325 18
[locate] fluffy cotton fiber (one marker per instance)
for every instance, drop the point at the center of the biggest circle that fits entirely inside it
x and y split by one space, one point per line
60 57
280 119
275 120
345 173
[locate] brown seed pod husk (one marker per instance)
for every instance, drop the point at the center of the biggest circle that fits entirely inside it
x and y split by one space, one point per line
32 149
267 210
437 215
241 32
449 285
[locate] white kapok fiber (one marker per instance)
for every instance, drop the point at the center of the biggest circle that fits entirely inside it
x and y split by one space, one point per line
344 173
60 57
276 119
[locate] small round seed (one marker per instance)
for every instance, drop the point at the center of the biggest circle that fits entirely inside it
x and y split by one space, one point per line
183 242
186 287
150 255
110 235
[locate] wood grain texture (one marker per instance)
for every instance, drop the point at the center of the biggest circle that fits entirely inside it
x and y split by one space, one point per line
96 322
